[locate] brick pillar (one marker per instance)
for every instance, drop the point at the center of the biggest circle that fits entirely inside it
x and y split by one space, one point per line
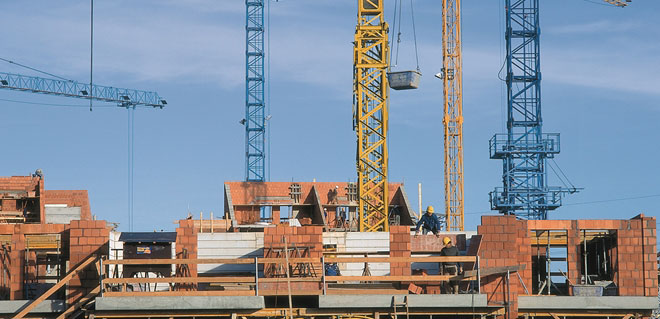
276 215
86 238
17 257
630 258
500 247
649 256
524 244
573 252
186 238
400 246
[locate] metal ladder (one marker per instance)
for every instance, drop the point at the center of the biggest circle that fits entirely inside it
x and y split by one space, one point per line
397 305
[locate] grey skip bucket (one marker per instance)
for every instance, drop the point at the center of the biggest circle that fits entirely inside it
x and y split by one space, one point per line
404 80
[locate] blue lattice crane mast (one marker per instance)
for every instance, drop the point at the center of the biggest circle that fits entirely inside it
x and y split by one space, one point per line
68 88
525 149
255 120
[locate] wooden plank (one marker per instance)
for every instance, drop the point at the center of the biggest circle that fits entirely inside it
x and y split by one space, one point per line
434 278
392 278
54 288
291 260
179 280
178 293
84 300
400 259
494 271
179 261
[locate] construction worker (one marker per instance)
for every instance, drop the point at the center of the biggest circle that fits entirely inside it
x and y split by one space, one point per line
450 268
429 223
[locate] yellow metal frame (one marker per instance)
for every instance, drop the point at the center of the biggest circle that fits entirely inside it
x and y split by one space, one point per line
452 62
370 65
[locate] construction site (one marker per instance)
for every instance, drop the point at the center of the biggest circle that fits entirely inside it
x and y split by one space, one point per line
366 248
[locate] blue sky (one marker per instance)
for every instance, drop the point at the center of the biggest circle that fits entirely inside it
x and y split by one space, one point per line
601 91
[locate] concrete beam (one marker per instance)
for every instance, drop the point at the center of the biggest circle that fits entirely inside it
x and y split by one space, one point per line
179 303
586 303
46 306
414 301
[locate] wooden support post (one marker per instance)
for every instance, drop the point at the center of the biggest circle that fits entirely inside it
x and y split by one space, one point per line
323 273
288 279
256 276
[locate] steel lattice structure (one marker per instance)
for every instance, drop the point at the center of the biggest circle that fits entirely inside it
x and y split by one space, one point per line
255 128
123 97
370 66
452 76
524 148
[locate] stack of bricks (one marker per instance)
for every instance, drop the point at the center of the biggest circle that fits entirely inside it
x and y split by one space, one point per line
499 239
636 244
86 238
400 246
307 239
431 243
186 240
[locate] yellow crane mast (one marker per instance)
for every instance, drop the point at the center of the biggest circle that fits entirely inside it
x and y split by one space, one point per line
370 65
452 77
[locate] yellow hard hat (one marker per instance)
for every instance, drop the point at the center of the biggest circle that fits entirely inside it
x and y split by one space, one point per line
446 240
429 209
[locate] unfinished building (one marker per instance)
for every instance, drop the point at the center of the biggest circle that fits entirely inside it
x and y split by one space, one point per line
263 260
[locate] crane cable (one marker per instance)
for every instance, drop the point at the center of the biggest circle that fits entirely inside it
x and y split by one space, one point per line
397 26
36 70
412 16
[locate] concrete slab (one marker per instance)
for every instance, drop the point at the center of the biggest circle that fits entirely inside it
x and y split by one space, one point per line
47 306
587 303
414 301
179 303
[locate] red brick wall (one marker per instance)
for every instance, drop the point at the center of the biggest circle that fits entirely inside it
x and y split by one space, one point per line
186 238
245 193
400 246
16 261
86 238
499 247
246 215
34 186
306 236
637 262
72 198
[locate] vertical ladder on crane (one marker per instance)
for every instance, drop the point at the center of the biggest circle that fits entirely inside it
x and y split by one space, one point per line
370 64
452 77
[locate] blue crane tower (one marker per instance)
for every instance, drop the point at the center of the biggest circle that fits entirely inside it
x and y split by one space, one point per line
524 148
254 121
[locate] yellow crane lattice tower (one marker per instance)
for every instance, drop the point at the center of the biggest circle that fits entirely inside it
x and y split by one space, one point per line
452 76
370 64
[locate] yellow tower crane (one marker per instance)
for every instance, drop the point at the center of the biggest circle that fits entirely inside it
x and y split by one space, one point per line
370 64
452 78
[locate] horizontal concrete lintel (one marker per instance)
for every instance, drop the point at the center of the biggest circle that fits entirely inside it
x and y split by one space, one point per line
414 301
46 306
179 303
586 303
